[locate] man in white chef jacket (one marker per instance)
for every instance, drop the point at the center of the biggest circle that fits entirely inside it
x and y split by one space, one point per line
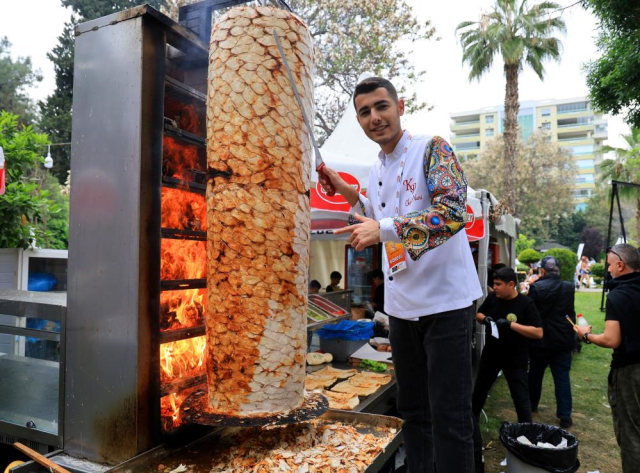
416 206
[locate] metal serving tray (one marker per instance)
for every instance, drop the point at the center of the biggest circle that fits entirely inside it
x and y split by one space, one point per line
199 454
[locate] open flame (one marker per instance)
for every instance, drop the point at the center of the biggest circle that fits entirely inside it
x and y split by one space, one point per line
179 157
187 116
182 359
170 408
182 259
182 309
183 210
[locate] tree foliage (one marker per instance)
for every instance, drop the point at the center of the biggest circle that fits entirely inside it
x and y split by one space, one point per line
529 256
520 36
523 243
614 78
25 205
593 242
626 168
15 77
545 174
55 111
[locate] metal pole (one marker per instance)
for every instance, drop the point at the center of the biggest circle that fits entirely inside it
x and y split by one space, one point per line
614 192
624 234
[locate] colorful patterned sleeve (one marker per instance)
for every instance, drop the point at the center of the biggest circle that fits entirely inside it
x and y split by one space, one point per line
447 214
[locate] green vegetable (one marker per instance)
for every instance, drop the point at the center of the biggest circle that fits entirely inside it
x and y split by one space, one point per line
373 366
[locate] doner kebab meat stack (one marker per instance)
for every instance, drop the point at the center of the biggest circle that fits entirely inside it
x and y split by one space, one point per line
259 157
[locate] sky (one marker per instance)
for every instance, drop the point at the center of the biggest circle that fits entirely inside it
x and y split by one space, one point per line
445 86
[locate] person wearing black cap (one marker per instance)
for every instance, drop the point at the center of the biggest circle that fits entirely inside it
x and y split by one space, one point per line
554 300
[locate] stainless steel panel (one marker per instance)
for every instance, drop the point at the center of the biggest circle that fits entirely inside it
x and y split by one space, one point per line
112 379
40 305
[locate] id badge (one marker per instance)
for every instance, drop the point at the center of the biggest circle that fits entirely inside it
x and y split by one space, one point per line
396 257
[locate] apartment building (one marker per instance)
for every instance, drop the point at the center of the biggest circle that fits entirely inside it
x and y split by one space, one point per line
570 122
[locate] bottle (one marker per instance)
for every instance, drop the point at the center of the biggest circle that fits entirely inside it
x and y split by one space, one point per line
582 322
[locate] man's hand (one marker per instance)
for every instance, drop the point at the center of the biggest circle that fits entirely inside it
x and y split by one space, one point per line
341 187
503 324
487 323
363 234
582 330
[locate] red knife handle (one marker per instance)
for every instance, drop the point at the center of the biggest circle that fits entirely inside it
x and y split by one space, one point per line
329 187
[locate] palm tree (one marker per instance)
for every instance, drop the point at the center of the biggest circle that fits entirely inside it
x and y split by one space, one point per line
626 168
522 36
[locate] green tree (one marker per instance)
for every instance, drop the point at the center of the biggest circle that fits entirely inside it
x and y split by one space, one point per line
520 35
529 256
545 173
524 243
625 167
568 227
15 77
55 111
25 205
614 78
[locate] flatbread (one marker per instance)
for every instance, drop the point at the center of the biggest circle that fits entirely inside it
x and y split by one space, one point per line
313 382
347 387
344 401
340 374
380 379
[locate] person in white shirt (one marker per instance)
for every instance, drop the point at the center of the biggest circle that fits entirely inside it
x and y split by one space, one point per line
416 206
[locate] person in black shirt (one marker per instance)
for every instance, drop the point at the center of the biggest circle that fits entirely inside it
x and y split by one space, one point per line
336 277
554 300
622 333
377 277
517 320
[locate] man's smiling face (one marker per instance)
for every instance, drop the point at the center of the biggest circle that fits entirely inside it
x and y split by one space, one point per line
379 116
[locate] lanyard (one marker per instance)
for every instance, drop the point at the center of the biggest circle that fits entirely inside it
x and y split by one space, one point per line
402 158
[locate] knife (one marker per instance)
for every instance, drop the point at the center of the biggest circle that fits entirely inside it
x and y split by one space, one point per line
330 189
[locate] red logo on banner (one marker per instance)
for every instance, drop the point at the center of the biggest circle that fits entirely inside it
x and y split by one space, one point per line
474 226
320 199
2 181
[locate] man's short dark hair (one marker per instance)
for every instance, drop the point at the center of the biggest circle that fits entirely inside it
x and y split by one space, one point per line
372 83
506 275
314 285
377 273
629 254
335 275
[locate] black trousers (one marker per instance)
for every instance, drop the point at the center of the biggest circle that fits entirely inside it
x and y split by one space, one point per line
516 378
432 361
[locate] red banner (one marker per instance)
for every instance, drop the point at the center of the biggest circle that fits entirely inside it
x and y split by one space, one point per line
2 181
320 199
474 226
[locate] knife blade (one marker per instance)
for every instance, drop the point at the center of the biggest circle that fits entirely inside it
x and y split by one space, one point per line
320 165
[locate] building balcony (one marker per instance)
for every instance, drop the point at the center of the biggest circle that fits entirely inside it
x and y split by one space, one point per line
462 138
472 125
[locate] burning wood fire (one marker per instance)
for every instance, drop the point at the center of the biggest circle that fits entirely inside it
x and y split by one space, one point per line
183 210
186 116
182 259
170 408
179 158
182 359
182 309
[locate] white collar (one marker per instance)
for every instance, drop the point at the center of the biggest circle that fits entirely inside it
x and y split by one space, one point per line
397 151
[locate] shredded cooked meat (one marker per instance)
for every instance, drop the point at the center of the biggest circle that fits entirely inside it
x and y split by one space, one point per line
311 447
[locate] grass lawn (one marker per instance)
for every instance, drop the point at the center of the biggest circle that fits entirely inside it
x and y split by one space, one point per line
592 425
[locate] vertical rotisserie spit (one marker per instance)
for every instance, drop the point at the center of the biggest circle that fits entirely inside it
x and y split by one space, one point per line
258 213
